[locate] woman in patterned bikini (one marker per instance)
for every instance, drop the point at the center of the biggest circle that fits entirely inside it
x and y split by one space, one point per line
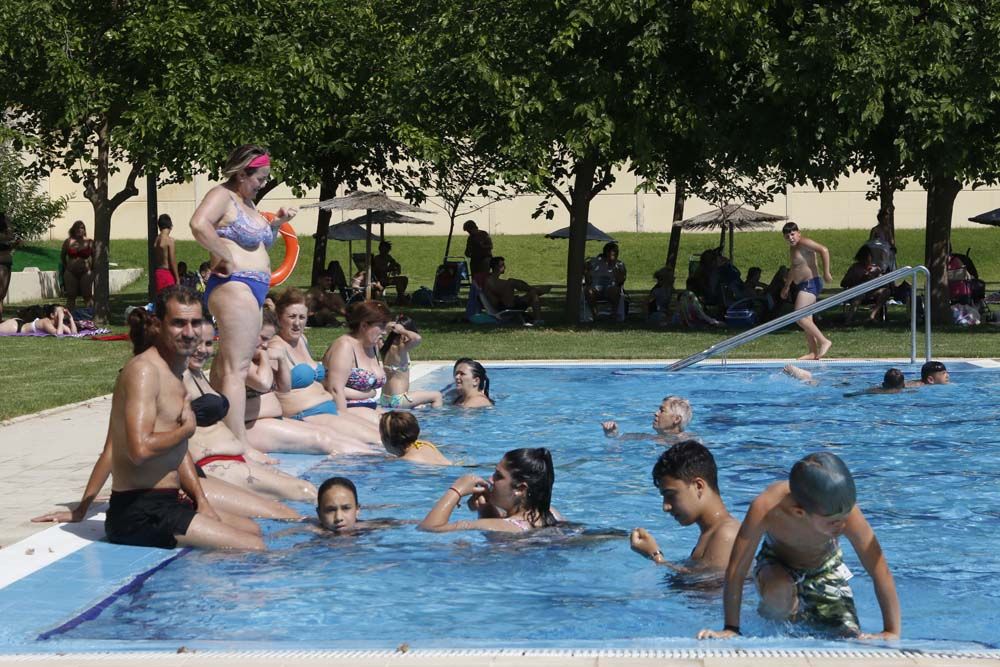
354 370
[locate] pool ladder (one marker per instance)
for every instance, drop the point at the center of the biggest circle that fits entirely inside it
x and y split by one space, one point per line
825 304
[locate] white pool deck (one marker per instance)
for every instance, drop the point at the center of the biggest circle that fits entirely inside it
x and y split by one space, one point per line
46 459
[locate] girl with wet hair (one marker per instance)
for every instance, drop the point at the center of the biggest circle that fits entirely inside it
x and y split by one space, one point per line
517 498
400 433
472 385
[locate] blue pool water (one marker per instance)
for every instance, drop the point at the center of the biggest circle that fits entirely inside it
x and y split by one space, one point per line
926 462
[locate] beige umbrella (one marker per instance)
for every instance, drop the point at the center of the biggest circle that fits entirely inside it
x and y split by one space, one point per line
370 202
731 217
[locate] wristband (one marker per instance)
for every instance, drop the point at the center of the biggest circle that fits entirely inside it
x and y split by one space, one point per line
732 628
452 488
656 553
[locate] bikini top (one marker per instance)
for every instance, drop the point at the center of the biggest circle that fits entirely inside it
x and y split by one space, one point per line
304 375
209 409
245 233
362 379
417 444
79 253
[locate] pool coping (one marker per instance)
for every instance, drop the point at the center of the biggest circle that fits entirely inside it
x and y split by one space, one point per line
49 546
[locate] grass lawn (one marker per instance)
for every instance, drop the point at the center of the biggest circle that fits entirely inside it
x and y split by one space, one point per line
48 372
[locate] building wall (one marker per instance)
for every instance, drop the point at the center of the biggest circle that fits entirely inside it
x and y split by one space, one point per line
618 209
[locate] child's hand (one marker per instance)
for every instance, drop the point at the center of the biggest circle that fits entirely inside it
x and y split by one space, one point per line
610 429
878 635
717 634
643 543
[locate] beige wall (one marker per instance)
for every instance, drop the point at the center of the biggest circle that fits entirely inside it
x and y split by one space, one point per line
619 209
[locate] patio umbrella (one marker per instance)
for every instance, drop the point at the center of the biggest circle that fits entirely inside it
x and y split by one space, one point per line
349 231
370 202
593 234
988 218
731 217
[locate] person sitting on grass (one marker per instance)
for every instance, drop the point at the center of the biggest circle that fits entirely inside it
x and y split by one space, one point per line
687 479
386 270
502 292
517 498
669 422
400 432
800 572
324 304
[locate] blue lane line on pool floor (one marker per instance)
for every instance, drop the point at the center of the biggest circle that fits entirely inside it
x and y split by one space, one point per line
97 609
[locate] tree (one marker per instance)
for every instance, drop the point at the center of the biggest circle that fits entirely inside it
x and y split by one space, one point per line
30 212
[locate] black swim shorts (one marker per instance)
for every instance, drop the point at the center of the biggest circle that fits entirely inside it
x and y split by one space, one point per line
148 517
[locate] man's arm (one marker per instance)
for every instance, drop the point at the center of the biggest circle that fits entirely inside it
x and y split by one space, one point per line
862 538
191 485
740 560
142 386
645 545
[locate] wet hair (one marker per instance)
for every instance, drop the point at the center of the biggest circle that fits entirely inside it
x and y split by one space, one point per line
292 296
469 226
240 158
608 247
337 481
687 460
533 467
269 317
893 379
398 431
143 327
366 312
478 371
390 340
789 227
929 369
496 261
680 407
164 222
821 484
79 224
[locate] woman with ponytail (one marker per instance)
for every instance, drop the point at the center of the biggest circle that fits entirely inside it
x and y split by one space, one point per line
517 497
472 385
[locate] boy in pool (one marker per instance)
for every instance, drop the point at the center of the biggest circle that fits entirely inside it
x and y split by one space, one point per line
893 381
800 572
932 372
687 479
669 422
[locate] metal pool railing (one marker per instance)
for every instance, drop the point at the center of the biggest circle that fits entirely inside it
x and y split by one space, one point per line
830 302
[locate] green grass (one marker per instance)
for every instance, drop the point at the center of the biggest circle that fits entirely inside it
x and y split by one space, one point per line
49 372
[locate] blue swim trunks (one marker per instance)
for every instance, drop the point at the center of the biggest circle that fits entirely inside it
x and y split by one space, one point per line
324 408
814 286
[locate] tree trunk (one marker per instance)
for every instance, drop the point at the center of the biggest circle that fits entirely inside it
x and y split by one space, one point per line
674 246
327 190
887 208
583 184
151 230
451 232
941 193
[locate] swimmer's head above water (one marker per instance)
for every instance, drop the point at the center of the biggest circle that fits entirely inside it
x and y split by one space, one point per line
522 482
673 415
398 430
822 486
934 372
337 504
685 475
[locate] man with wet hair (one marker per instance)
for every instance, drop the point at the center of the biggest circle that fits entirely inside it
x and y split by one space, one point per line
687 479
151 421
669 423
800 572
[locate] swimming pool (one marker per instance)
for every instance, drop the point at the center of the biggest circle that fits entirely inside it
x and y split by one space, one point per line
926 464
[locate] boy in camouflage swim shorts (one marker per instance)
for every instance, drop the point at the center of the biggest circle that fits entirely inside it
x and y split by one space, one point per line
800 573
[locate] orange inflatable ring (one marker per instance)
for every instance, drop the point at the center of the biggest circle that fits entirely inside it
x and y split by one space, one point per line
291 242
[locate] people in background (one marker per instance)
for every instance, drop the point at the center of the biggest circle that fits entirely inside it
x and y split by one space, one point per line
77 261
861 271
479 250
670 421
804 274
604 277
47 319
503 292
324 303
166 271
387 271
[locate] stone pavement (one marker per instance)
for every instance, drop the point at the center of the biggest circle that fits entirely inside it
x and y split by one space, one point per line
45 461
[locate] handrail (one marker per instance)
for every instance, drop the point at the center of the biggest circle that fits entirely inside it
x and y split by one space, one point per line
829 302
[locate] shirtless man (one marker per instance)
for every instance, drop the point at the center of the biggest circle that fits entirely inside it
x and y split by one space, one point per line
805 274
165 256
502 292
151 420
387 270
669 422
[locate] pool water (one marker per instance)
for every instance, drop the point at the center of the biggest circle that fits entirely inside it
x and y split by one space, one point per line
926 464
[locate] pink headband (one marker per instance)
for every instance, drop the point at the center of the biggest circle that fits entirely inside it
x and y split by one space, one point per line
259 161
